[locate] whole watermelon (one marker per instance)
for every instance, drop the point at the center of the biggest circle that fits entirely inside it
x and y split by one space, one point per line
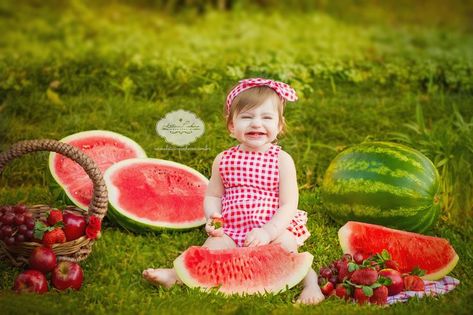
382 183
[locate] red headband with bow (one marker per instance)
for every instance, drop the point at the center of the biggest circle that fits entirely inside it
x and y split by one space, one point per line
282 89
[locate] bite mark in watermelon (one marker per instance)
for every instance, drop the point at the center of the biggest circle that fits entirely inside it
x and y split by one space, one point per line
243 270
433 254
152 194
104 147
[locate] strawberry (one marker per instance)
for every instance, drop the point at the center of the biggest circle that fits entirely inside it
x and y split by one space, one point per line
342 292
360 296
217 223
53 237
327 289
413 283
380 295
375 265
358 258
391 264
366 276
54 217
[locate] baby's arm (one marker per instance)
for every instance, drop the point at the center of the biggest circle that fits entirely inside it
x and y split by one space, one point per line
213 195
213 199
288 197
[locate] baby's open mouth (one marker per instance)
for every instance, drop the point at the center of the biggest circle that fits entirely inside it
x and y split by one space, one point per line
255 133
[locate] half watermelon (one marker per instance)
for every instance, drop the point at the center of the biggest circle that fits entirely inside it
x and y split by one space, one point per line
433 254
152 194
243 270
104 147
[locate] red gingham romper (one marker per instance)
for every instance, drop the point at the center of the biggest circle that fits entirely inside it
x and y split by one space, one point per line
251 193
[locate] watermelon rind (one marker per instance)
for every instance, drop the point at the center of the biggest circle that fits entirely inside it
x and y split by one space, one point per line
345 233
275 285
140 225
67 197
382 183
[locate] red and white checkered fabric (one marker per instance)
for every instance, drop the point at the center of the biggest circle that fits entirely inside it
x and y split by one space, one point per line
432 288
251 197
282 89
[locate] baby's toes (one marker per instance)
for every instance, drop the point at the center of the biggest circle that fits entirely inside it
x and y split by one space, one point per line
148 273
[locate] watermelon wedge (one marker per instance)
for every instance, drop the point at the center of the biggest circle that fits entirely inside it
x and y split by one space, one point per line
104 147
433 254
243 270
152 194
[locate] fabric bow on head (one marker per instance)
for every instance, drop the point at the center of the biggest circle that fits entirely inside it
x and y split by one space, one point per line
282 89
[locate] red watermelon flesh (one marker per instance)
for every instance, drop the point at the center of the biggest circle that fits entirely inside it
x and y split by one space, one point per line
433 254
151 195
249 270
104 147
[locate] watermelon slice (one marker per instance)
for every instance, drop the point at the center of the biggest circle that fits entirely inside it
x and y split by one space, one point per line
433 254
248 270
104 147
152 194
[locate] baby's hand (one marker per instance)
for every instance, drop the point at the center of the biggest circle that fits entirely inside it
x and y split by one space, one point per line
257 237
211 228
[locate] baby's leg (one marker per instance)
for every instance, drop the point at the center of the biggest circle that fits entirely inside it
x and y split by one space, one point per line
311 293
167 277
220 242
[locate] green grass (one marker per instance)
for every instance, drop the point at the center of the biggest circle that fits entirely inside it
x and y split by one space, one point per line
362 71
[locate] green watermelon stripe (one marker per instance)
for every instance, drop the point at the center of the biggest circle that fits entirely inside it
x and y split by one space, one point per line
360 209
390 161
427 168
402 150
361 185
393 154
408 182
377 168
379 204
429 219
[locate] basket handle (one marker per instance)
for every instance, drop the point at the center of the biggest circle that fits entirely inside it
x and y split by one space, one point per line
99 202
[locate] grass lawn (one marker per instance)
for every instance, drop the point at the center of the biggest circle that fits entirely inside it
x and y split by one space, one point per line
397 71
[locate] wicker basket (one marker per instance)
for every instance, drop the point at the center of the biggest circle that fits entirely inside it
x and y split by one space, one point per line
75 250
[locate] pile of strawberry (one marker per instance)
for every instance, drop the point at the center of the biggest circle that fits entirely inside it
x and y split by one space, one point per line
62 227
369 280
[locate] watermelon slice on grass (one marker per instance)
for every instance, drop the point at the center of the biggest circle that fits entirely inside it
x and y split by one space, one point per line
153 194
243 270
104 147
435 255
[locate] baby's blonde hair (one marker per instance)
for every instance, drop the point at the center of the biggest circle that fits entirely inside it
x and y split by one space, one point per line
252 98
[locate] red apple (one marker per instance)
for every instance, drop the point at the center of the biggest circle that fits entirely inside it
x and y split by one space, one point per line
74 226
67 274
43 259
397 284
31 281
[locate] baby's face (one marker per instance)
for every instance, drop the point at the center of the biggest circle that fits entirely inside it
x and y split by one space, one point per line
256 128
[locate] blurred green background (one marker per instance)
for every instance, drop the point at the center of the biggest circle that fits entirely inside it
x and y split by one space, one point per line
381 70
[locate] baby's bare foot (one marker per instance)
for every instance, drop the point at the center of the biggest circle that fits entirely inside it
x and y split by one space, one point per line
311 295
164 277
